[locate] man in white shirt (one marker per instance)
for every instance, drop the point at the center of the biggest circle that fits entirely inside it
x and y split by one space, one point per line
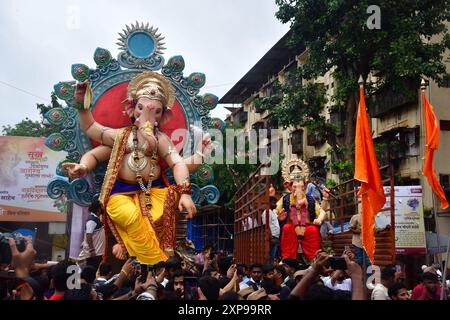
338 281
274 227
93 245
380 292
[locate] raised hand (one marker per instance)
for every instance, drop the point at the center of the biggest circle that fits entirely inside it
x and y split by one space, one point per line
353 269
22 261
83 95
320 262
74 170
80 91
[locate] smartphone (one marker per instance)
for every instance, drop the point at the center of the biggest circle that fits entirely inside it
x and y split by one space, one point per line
144 272
190 288
398 268
337 263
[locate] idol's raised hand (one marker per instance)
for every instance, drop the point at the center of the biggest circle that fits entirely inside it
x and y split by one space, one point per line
74 170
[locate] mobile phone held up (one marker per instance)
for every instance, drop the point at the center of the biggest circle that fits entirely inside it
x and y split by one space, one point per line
144 272
337 263
190 288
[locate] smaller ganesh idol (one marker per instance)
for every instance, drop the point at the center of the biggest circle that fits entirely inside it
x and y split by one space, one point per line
139 204
305 214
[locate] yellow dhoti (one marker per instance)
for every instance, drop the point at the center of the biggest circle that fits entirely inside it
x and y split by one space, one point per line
137 233
129 219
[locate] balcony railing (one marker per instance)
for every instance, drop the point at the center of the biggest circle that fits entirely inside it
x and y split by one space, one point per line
386 100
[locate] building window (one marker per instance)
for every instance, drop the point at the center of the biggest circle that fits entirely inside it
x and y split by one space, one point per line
297 142
411 140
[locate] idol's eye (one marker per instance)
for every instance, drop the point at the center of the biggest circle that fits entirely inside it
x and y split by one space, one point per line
158 111
140 107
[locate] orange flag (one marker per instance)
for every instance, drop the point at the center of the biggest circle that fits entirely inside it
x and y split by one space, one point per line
432 144
368 173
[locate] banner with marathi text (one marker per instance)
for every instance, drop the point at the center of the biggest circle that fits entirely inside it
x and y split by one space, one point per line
26 167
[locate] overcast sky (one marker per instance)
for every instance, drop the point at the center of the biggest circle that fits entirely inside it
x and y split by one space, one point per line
42 39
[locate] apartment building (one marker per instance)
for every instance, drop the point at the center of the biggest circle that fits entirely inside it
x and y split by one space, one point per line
397 123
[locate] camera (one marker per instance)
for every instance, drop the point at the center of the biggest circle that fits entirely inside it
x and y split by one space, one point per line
5 250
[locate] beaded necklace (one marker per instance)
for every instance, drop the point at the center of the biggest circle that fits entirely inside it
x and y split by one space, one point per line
137 162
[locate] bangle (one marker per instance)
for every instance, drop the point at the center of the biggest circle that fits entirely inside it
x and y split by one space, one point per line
101 137
184 188
124 272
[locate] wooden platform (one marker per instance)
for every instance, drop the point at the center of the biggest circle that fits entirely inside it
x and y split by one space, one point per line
384 251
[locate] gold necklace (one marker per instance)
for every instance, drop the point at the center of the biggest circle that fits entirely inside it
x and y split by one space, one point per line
137 162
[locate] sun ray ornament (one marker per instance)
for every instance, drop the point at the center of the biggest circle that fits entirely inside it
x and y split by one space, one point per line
141 46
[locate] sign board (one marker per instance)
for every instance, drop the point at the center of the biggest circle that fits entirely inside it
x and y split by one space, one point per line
26 167
409 224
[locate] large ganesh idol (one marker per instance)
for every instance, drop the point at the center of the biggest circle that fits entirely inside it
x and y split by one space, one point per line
128 130
140 206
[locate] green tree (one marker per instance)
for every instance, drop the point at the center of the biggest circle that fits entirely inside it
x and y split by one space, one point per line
30 128
230 177
338 38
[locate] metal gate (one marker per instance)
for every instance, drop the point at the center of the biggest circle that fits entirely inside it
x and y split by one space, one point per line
251 236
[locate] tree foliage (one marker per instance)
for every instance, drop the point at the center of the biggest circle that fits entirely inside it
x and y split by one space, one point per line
30 128
229 177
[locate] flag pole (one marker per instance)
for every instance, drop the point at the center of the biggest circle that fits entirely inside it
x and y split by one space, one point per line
423 87
364 262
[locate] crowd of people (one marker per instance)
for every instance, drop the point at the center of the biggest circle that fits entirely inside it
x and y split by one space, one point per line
212 277
289 273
